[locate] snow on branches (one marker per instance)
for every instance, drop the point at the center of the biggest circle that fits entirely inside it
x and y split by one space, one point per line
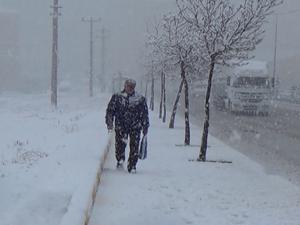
225 30
203 33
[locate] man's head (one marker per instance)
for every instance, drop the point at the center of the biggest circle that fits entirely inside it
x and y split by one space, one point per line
129 86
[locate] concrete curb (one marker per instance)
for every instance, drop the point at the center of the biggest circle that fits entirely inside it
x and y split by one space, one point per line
82 202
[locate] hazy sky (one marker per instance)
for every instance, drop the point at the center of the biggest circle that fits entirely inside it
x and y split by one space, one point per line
126 21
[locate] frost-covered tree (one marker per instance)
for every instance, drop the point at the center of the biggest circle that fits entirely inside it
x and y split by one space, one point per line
151 76
169 44
225 31
154 57
177 45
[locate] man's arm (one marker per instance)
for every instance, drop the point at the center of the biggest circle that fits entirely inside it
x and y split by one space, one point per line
110 113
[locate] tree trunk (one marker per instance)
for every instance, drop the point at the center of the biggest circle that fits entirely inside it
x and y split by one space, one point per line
186 102
164 98
172 120
152 95
161 95
146 90
187 139
202 155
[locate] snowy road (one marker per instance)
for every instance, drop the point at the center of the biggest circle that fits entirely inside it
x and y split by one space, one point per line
273 141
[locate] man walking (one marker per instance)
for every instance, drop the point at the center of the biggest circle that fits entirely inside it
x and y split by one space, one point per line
129 111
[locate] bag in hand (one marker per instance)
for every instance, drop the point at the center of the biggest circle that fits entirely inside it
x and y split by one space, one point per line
143 148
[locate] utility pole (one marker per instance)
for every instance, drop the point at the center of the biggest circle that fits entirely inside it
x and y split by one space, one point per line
102 79
276 78
274 82
91 21
54 69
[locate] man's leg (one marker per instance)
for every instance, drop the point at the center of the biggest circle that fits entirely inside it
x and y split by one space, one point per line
120 144
134 149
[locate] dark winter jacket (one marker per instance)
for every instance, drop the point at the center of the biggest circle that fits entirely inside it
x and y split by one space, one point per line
130 112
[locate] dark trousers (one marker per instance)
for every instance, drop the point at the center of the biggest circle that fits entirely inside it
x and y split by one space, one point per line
121 142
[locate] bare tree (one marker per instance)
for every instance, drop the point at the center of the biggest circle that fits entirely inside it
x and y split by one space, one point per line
157 63
225 32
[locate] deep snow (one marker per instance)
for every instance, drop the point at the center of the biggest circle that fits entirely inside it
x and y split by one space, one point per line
49 156
169 188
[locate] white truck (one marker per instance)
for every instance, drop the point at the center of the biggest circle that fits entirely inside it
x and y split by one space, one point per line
246 89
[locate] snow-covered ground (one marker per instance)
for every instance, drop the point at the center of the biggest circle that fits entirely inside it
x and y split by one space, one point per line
169 188
47 156
49 159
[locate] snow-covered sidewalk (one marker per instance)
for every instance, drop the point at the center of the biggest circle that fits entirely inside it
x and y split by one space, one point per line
169 188
49 158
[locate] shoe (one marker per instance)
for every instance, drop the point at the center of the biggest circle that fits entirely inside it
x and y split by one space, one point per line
120 163
131 169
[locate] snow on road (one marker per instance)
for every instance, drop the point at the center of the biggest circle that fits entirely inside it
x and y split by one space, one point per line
271 141
170 189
